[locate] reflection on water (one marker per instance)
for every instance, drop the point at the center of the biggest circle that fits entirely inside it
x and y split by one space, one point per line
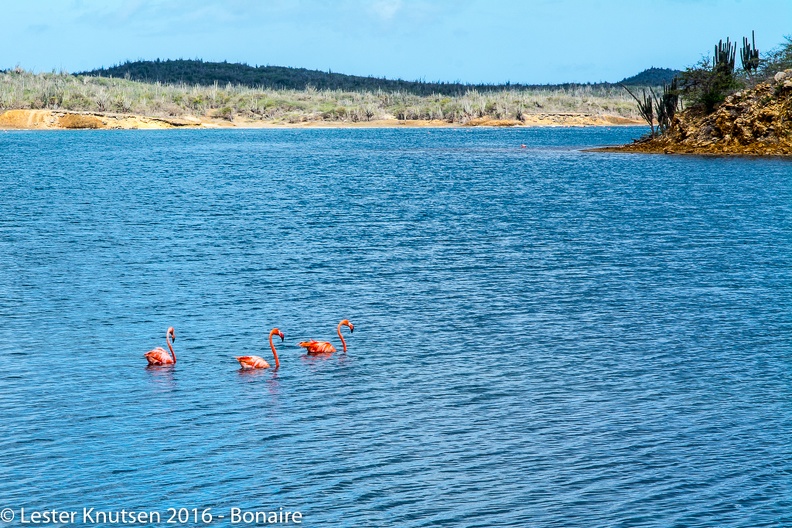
250 375
161 375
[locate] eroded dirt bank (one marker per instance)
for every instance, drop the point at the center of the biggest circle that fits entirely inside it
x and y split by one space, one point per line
57 119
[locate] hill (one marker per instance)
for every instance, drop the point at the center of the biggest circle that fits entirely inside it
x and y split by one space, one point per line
274 78
651 77
198 72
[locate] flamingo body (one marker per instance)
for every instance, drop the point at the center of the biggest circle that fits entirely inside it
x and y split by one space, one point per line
252 362
316 348
159 356
257 362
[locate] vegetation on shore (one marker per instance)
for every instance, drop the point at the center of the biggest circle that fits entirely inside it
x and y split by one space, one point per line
755 121
20 89
198 72
728 110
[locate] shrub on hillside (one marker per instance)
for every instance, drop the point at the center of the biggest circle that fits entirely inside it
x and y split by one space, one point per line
706 85
778 59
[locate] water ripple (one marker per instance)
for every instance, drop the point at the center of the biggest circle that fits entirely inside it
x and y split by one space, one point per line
544 336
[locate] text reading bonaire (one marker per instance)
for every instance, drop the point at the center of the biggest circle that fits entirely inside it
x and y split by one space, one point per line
171 516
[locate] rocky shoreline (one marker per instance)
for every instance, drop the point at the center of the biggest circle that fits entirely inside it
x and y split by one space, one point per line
754 122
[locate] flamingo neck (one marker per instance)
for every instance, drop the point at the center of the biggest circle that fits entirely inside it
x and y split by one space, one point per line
173 354
274 352
343 343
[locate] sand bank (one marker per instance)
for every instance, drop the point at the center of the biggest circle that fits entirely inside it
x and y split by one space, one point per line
62 119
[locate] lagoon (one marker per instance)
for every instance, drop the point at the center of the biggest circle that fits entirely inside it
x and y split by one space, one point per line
543 336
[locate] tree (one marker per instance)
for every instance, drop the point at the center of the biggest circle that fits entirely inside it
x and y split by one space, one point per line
778 59
706 85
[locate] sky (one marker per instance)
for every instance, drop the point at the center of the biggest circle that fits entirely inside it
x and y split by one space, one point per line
470 41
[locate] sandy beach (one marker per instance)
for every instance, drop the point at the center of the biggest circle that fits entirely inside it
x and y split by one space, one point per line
62 120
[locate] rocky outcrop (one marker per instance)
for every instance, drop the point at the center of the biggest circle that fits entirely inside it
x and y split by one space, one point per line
757 121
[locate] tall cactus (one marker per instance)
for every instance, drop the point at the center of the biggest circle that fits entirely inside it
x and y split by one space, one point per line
666 105
749 55
723 61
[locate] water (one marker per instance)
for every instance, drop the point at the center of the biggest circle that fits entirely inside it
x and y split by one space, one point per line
543 336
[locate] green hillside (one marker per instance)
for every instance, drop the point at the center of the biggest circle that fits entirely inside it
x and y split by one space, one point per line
651 77
198 72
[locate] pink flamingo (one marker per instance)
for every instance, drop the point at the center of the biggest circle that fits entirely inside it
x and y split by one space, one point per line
256 362
323 347
159 356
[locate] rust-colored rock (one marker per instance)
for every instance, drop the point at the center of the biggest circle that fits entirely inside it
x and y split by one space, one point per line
80 121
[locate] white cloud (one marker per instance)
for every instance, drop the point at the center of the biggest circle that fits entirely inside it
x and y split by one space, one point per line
385 9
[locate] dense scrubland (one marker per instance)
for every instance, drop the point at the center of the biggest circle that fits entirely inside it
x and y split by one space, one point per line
192 72
20 89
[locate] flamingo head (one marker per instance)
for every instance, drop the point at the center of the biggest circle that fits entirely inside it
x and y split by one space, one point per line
277 332
172 334
347 323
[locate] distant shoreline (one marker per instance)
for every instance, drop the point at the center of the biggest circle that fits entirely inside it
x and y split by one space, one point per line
25 119
52 101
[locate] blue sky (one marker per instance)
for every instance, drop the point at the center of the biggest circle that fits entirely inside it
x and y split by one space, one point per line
493 41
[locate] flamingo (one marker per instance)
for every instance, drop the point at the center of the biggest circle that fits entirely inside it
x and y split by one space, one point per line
159 356
323 347
256 362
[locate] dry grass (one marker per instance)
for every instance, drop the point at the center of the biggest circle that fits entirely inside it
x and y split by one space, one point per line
20 89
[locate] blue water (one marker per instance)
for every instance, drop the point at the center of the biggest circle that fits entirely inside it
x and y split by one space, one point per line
543 336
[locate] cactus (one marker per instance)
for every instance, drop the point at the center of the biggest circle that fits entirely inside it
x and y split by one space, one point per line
749 55
644 107
723 61
666 105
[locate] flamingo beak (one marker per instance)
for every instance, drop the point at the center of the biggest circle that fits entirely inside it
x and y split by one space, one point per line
281 336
